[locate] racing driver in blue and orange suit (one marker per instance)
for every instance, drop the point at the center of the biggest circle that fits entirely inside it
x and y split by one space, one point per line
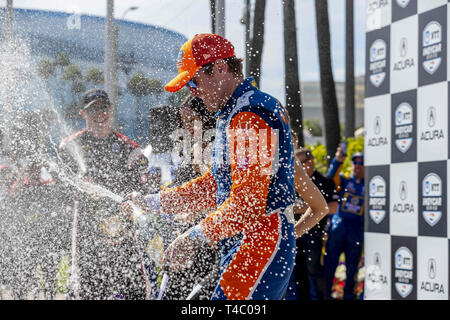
249 187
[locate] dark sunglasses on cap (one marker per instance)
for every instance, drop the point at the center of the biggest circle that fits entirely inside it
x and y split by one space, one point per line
95 95
207 68
97 108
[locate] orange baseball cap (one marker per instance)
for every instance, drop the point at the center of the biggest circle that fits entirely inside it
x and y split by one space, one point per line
196 52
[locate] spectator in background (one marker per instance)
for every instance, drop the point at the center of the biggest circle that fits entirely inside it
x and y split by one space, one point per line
102 155
193 117
346 230
109 259
309 246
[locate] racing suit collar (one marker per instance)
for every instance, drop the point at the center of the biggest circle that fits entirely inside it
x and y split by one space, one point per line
94 138
245 86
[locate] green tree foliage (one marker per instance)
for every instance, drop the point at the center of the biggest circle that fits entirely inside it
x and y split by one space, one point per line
319 151
138 85
67 74
95 76
72 73
46 69
62 60
155 86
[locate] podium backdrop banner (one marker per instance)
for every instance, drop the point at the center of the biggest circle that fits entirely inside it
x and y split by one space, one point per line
406 118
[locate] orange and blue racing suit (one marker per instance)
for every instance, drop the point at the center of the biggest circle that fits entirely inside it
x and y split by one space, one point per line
250 191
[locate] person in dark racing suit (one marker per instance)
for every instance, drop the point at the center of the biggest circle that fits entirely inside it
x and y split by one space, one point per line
106 259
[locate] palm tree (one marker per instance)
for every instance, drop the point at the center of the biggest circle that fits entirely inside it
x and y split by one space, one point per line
327 87
155 87
257 40
291 74
46 70
62 60
74 75
212 8
94 76
245 20
139 87
349 71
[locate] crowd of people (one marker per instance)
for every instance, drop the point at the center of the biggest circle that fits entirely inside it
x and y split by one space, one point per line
252 219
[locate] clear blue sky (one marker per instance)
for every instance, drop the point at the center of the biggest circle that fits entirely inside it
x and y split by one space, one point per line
192 16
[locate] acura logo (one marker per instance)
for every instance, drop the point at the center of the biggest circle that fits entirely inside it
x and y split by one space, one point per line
431 116
403 47
377 127
403 190
432 268
377 260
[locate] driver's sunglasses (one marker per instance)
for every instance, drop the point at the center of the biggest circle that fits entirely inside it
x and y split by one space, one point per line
358 163
207 68
191 84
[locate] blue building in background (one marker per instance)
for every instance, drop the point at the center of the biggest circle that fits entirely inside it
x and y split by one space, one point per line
143 48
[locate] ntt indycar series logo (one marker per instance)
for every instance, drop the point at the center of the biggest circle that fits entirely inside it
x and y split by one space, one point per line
432 198
432 46
404 268
377 67
377 199
403 127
